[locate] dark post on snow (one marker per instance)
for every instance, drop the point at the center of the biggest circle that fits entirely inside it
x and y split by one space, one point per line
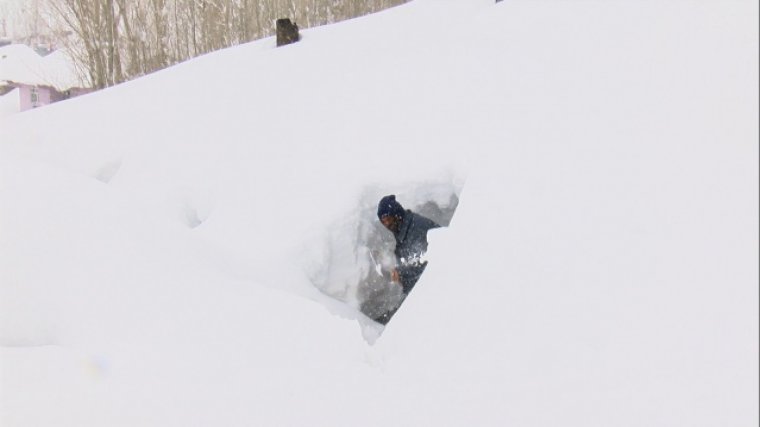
287 32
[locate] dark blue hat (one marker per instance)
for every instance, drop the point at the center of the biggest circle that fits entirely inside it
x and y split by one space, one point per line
389 206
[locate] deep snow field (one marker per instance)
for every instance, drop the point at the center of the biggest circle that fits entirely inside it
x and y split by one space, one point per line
190 248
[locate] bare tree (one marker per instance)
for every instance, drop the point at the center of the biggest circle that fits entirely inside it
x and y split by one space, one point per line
117 40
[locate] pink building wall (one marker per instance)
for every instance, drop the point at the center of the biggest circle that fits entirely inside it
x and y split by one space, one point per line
34 96
39 96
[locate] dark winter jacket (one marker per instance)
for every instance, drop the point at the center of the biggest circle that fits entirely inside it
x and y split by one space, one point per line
411 244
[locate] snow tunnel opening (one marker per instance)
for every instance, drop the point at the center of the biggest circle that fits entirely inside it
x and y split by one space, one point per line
379 292
357 257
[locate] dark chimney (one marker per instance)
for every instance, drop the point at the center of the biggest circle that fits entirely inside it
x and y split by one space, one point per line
287 32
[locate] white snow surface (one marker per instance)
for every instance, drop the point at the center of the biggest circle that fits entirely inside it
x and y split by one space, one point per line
10 103
160 240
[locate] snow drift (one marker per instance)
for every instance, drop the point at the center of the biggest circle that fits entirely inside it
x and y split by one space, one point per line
160 241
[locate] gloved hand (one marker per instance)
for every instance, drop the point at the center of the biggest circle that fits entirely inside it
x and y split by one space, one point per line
395 277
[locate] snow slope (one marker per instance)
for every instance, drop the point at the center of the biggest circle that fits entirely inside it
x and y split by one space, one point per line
160 241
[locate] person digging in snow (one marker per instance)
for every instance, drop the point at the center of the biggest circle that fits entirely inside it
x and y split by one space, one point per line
410 230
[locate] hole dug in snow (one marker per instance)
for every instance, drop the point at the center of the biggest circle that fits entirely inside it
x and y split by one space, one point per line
106 172
193 207
357 258
189 215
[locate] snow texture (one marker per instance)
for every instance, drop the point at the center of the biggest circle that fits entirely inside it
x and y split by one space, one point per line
193 247
10 103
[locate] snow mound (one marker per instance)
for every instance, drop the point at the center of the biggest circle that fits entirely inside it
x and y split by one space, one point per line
10 103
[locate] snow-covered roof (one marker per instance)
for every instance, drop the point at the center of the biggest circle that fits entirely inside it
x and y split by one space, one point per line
21 64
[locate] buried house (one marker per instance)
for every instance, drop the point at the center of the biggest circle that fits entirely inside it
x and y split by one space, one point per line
40 80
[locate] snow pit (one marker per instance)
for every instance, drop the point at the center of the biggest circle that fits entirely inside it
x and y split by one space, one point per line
106 172
354 258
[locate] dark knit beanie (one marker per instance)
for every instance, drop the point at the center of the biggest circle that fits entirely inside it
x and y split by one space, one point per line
389 206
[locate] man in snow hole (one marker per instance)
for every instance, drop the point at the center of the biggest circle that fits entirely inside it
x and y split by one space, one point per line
410 230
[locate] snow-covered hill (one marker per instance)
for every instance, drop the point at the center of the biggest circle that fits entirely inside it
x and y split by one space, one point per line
185 249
